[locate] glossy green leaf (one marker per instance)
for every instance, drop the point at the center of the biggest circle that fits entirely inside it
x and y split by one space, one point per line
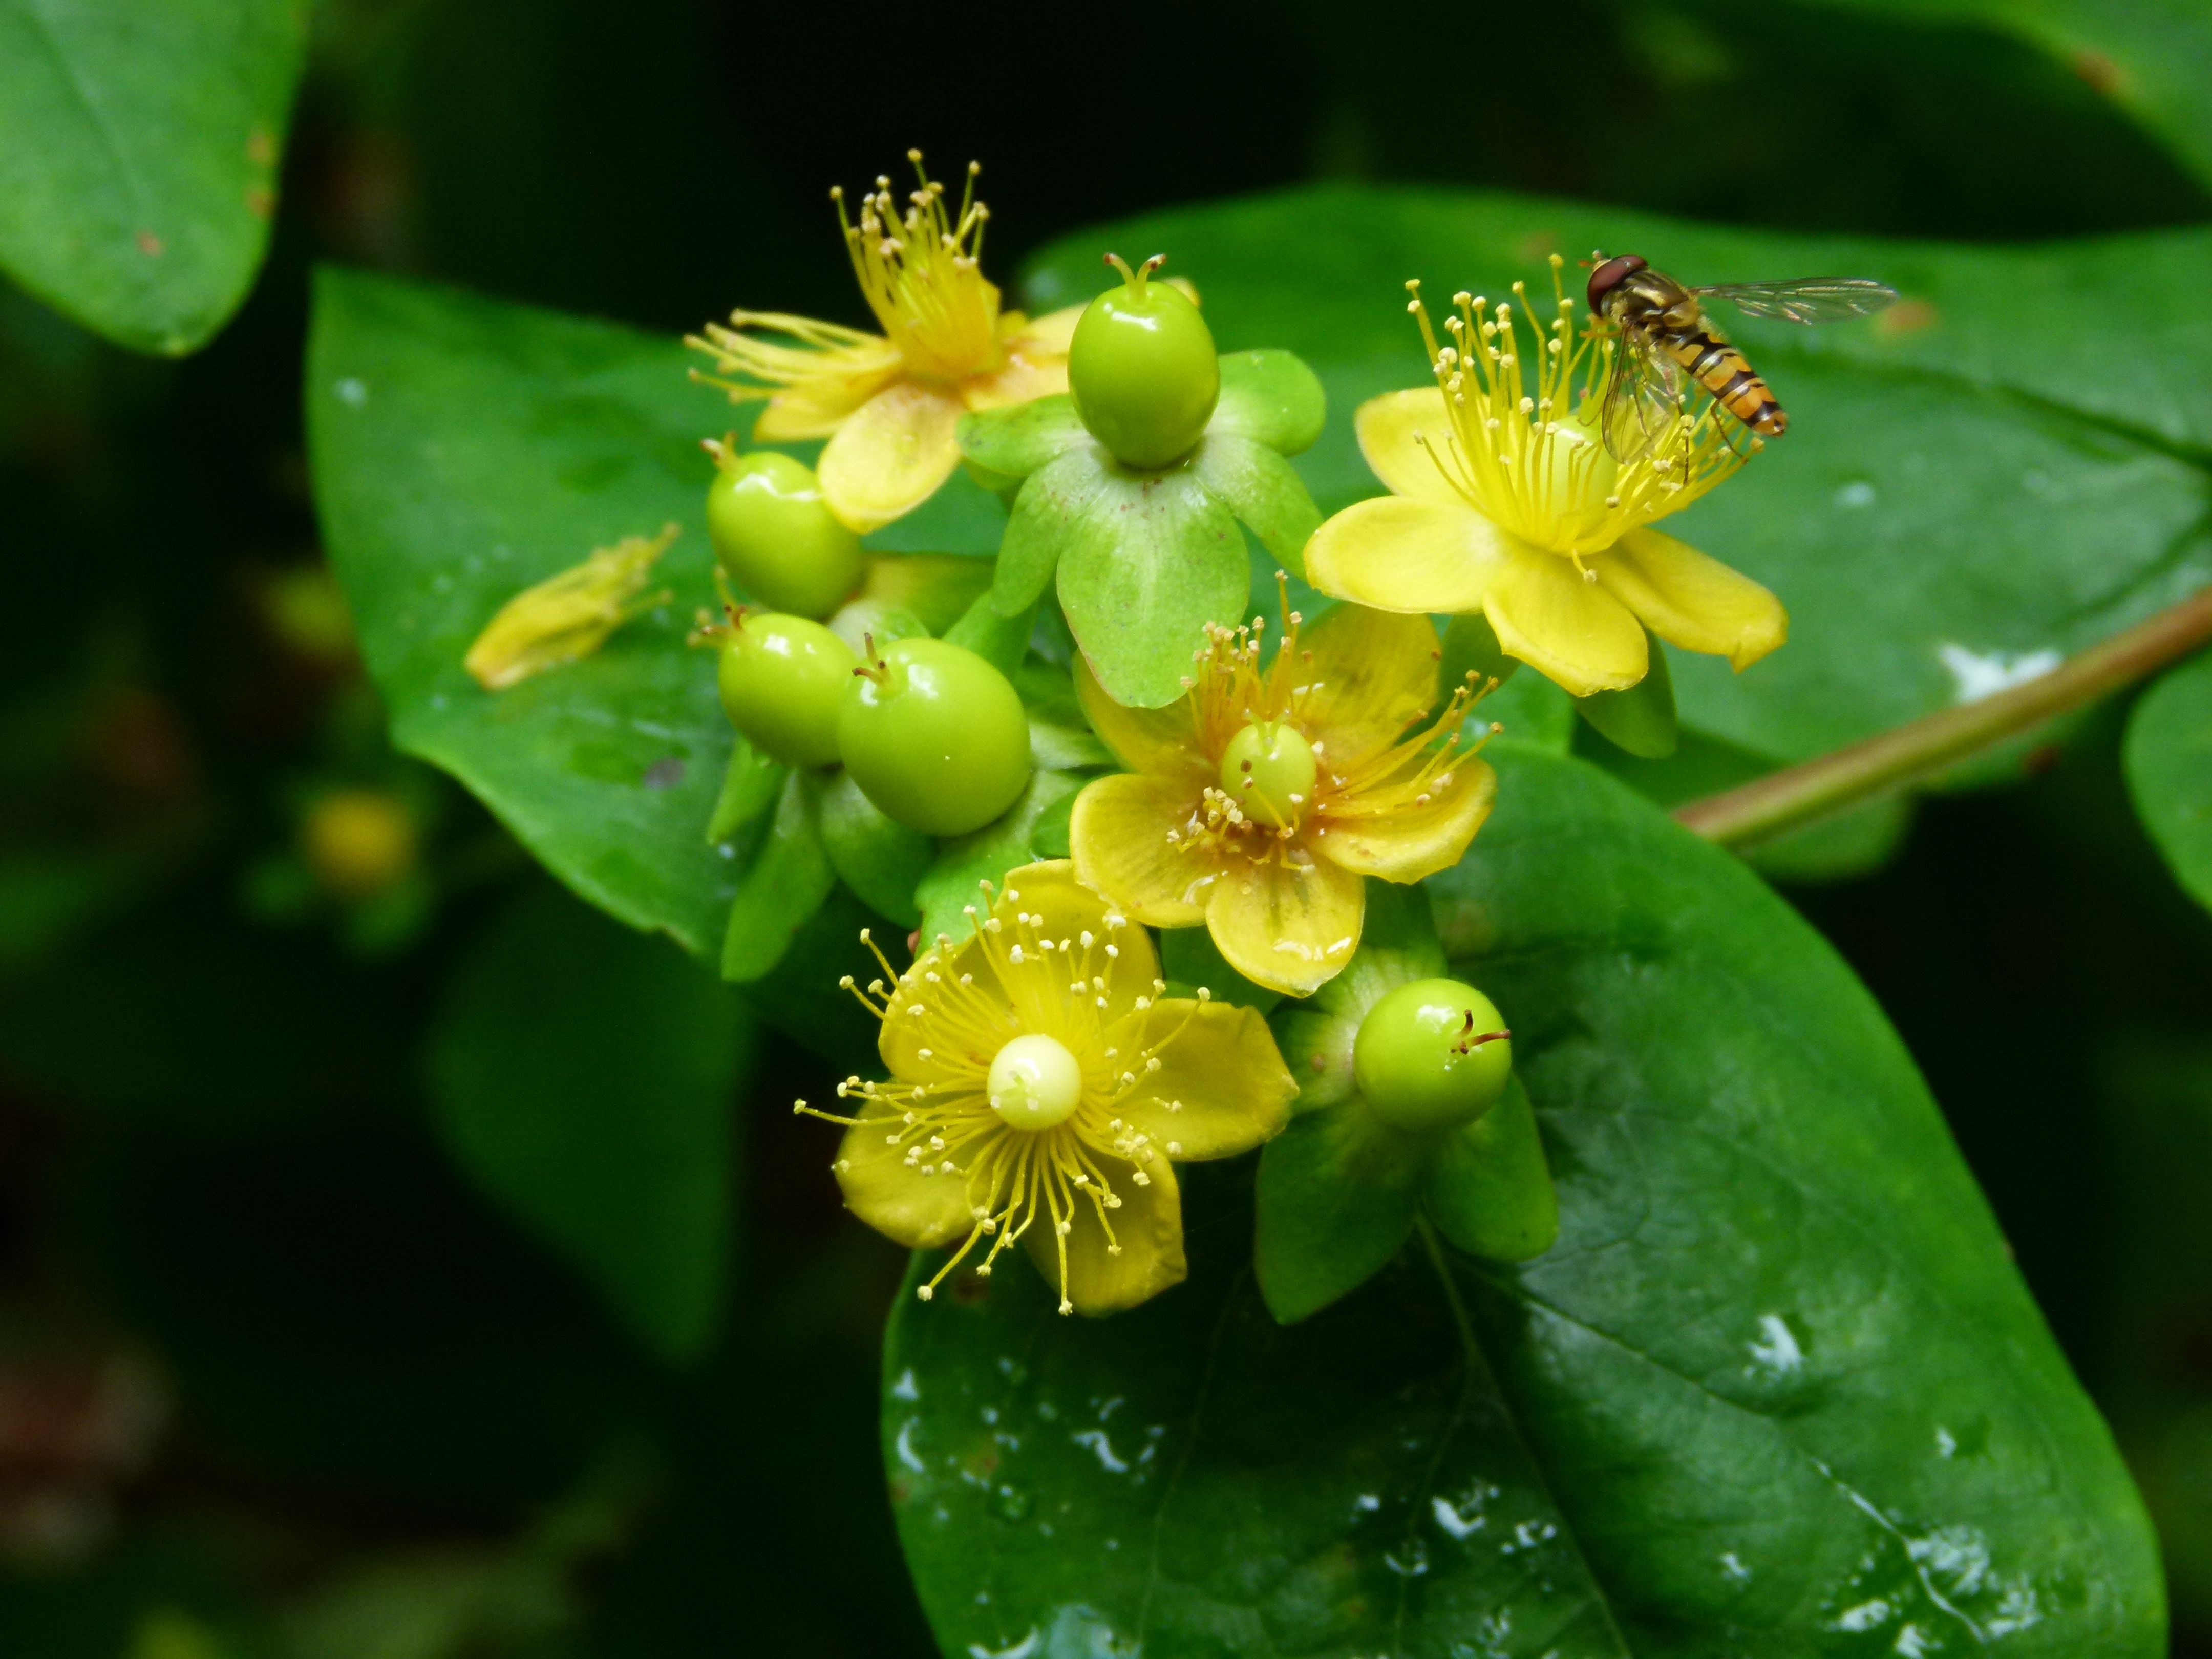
2169 767
584 1075
138 157
2009 467
1777 1390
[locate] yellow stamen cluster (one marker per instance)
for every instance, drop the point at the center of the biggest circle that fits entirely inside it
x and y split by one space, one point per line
951 1128
921 272
568 616
1531 458
1232 692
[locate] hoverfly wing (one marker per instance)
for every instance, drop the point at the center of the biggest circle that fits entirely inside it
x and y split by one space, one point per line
1808 300
1643 396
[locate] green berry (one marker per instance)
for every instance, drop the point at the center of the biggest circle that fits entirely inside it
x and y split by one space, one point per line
1142 370
774 534
783 681
1432 1055
1268 770
1036 1082
934 736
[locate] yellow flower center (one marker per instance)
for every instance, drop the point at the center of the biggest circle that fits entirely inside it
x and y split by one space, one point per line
1526 448
1034 1082
921 273
1268 770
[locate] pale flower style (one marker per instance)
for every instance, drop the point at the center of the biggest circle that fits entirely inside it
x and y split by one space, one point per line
1371 785
889 403
1042 1090
1505 500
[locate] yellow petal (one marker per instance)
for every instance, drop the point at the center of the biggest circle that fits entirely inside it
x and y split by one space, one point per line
1399 555
891 455
1022 380
1386 426
1288 927
1147 1225
1048 336
1388 833
1143 739
1568 629
1222 1087
922 1212
1371 673
1690 600
818 406
1119 835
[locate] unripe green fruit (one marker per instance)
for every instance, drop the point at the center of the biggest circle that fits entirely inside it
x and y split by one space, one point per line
1418 1061
935 737
1268 770
775 536
783 681
1142 370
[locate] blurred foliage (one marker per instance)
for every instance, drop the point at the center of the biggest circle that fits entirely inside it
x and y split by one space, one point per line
277 1375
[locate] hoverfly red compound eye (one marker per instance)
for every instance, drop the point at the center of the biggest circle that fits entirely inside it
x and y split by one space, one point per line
1608 275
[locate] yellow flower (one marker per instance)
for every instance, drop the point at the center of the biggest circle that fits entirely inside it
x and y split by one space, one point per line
889 403
569 615
1257 802
1042 1090
1507 502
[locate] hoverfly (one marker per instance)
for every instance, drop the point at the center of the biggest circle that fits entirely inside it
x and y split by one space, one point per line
1664 334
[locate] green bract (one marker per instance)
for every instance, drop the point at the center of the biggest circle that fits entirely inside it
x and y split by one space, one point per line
1145 560
1142 370
934 736
1341 1189
776 537
782 681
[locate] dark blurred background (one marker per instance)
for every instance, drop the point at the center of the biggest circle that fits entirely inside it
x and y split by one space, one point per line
275 1378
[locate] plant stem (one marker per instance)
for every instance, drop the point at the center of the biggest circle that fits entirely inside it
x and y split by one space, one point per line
1796 796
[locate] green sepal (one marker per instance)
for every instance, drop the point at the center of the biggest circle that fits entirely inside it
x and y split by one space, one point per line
1038 527
880 860
1488 1188
1471 647
1060 738
1000 639
1189 956
1012 442
1271 397
1146 560
1338 1194
965 863
749 786
907 594
1640 720
1263 490
789 878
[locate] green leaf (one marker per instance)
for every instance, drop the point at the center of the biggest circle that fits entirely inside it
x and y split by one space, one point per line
2003 467
954 881
1777 1390
1016 441
1488 1188
1338 1194
138 157
1146 560
2169 767
1262 489
789 878
584 1074
1641 720
878 860
1000 640
1269 397
464 449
